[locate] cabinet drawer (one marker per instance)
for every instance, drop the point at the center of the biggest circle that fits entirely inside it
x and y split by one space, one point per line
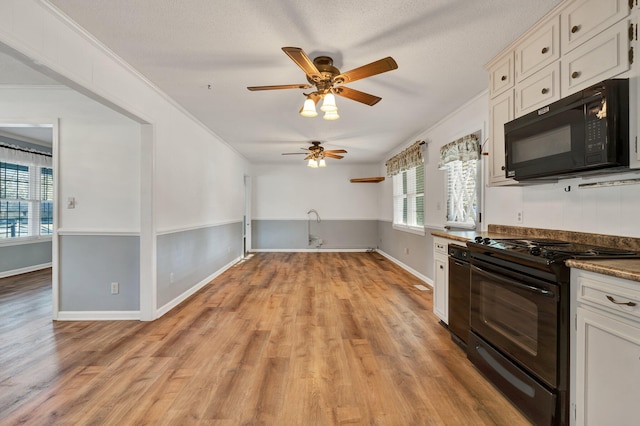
540 49
616 298
602 57
586 18
501 75
539 90
440 245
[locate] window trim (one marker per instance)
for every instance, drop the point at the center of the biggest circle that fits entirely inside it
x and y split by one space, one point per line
413 229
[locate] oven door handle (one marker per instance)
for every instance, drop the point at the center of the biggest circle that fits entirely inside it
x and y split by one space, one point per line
530 288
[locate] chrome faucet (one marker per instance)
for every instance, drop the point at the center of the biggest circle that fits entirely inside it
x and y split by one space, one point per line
316 213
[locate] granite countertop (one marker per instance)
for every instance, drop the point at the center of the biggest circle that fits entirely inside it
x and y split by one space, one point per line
621 268
628 269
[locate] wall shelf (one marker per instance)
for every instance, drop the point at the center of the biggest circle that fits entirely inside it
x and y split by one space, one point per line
368 180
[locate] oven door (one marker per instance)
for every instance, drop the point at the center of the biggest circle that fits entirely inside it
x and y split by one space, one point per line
519 315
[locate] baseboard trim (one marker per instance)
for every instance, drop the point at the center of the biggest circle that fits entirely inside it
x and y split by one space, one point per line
313 250
24 270
184 296
98 315
407 268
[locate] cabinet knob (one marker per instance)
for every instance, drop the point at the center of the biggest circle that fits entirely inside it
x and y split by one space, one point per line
545 50
544 91
575 29
575 74
441 266
502 168
503 78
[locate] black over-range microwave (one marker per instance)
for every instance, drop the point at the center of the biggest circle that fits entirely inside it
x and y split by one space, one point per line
580 134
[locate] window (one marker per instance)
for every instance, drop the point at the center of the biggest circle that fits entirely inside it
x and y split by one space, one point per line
26 200
462 194
460 160
408 199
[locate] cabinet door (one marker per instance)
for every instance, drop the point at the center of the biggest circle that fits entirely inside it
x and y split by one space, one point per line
538 50
602 57
501 76
607 370
539 90
586 18
441 288
500 112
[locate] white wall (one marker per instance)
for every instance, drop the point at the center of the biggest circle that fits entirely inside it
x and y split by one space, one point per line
99 156
290 191
564 205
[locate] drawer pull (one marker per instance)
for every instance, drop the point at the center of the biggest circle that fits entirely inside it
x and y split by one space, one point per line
545 91
575 29
503 78
612 300
545 50
575 74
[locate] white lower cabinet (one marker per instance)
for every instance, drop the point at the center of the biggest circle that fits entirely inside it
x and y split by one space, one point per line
607 355
441 279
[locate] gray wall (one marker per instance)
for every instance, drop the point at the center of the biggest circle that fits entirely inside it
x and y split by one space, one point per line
394 243
185 258
21 256
88 266
294 234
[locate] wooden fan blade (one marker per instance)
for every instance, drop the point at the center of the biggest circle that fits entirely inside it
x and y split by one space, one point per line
356 95
308 157
377 67
282 86
330 155
298 56
294 153
336 151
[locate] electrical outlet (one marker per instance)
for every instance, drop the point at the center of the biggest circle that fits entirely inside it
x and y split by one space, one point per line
519 217
406 250
115 288
171 278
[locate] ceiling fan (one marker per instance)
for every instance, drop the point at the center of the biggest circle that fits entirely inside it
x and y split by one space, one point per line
328 80
316 154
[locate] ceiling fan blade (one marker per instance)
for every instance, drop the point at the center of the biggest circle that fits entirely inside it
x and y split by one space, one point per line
330 155
357 95
298 56
336 151
308 157
282 86
293 153
374 68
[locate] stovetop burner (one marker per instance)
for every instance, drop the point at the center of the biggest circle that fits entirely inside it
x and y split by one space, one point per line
551 250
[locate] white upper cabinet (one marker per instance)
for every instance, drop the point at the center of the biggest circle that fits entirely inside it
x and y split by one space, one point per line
501 75
539 49
539 90
600 58
583 19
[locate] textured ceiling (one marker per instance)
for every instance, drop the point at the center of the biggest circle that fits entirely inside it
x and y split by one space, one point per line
204 53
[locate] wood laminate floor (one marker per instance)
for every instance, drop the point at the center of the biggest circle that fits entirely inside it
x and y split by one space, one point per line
279 339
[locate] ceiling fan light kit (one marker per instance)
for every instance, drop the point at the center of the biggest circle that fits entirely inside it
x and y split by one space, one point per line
316 154
328 82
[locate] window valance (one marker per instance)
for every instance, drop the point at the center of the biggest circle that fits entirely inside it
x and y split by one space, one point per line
464 149
407 159
16 154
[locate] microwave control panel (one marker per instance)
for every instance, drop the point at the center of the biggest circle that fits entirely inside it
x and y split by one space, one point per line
596 133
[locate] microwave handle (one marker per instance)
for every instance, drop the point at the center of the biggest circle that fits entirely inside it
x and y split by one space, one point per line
512 283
